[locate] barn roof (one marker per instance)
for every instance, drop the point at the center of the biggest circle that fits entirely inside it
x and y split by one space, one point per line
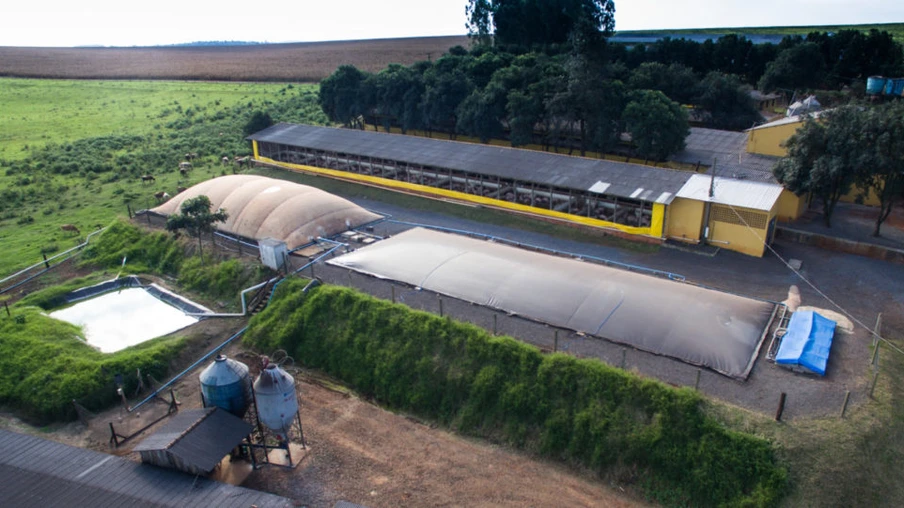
197 438
261 207
612 178
38 473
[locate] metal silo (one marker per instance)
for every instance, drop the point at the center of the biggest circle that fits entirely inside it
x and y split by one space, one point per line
277 403
226 384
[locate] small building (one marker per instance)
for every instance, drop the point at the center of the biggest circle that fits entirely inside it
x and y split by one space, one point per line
194 441
767 102
733 214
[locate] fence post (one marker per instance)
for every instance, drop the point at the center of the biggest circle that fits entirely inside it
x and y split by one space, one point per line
494 323
624 354
129 209
46 264
844 405
392 290
440 306
781 407
697 381
872 387
555 341
6 304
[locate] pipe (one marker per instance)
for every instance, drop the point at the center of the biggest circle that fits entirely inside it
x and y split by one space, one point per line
39 263
186 371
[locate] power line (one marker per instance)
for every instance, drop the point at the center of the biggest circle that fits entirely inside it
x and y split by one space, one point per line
812 285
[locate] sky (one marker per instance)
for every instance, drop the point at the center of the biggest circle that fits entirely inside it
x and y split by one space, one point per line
65 23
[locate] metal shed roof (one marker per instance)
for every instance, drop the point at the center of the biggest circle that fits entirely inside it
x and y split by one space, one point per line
635 181
728 150
38 473
197 438
727 191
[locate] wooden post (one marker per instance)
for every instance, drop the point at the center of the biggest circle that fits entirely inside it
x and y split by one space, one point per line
392 289
697 381
46 264
847 397
440 307
6 304
624 353
781 407
312 270
878 329
874 361
349 278
129 209
148 216
555 341
872 387
494 323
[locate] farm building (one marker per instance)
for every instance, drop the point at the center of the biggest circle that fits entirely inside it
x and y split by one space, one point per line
261 207
629 200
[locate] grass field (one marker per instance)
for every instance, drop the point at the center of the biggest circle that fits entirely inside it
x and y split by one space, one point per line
37 112
301 62
49 178
896 29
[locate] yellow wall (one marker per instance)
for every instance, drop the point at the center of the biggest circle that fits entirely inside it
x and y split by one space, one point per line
790 206
871 198
740 237
685 218
768 140
654 230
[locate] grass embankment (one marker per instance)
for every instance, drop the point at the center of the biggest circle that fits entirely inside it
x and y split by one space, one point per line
45 363
578 411
73 152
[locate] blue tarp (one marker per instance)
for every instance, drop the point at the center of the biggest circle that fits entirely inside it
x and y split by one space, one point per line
807 342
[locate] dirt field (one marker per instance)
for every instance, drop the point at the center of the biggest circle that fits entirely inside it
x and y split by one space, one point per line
304 62
361 453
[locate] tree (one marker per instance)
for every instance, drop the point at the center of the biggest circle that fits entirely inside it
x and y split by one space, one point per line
340 95
196 218
529 22
657 124
258 122
799 67
824 156
882 136
727 102
676 81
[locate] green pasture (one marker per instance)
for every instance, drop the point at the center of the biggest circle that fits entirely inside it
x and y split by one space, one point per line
73 152
895 29
40 111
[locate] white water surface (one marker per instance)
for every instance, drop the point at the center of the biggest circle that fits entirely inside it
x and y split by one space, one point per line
123 318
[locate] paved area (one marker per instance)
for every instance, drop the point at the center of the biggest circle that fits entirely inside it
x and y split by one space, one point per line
855 222
864 287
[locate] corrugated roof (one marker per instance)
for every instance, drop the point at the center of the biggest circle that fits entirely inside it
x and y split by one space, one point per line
636 181
199 438
38 473
727 191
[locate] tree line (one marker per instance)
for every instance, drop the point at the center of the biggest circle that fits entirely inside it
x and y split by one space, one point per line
583 97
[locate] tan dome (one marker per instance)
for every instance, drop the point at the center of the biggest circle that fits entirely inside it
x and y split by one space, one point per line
261 207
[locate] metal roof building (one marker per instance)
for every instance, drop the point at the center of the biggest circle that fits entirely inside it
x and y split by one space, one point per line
727 191
619 179
194 440
726 151
38 473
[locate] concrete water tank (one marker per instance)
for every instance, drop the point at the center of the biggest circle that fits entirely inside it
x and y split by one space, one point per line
277 403
226 384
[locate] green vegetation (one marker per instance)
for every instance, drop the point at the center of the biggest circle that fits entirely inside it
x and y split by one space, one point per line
50 177
896 29
160 253
578 411
45 365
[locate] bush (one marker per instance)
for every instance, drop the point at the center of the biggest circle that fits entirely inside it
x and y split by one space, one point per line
574 410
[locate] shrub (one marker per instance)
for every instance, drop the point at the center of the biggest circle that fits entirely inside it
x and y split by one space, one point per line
573 410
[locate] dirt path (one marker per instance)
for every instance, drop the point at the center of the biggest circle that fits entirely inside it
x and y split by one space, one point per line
362 453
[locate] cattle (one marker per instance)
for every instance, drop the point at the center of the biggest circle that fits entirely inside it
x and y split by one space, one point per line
191 156
161 196
185 165
70 228
148 178
225 160
242 161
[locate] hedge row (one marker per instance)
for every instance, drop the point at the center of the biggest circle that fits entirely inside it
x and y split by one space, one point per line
580 411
